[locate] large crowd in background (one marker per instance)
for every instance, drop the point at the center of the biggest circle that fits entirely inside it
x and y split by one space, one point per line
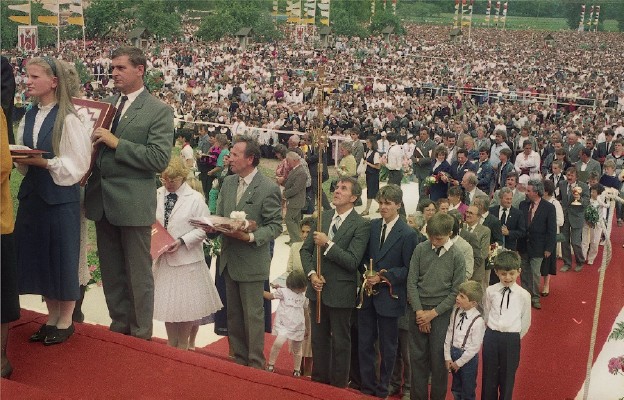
513 135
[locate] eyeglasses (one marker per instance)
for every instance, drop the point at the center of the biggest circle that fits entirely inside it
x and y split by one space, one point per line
175 180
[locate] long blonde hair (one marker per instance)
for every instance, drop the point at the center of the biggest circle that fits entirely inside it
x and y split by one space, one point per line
68 86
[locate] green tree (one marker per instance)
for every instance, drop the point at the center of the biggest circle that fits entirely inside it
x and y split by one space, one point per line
383 19
572 11
345 24
231 16
160 17
102 16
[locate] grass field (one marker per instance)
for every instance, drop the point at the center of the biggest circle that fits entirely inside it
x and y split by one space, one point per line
478 21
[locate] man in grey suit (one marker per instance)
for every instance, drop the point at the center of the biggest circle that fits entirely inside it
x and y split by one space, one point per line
573 214
343 240
586 165
120 195
295 195
573 147
245 259
473 225
357 148
422 158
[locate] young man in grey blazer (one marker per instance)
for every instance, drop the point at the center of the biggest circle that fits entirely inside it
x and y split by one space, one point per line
245 259
120 195
343 240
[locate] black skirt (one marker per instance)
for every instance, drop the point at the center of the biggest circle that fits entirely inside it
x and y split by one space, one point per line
48 248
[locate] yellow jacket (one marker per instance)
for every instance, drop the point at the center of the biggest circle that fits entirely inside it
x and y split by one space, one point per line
7 222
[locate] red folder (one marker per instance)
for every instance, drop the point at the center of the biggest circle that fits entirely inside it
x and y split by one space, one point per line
95 114
161 240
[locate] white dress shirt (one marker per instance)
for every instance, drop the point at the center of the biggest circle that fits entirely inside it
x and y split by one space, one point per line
515 313
72 162
475 336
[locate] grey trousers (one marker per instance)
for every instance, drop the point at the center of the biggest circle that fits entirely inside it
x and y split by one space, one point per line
530 275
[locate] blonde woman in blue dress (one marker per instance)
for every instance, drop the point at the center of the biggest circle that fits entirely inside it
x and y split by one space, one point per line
47 226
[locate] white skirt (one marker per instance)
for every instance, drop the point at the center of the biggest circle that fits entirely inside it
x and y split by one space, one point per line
184 293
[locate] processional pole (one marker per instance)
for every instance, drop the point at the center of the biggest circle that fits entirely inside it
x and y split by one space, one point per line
319 140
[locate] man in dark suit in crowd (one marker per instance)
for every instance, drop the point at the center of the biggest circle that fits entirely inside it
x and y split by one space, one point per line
342 240
513 226
390 247
605 148
590 144
461 166
295 195
422 158
485 172
572 228
120 195
541 232
245 258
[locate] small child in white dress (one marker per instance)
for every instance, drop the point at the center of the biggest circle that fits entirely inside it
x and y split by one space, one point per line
289 318
183 289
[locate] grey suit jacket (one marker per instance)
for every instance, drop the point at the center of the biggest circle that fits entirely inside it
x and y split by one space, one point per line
295 188
483 238
250 262
592 166
340 265
122 185
422 153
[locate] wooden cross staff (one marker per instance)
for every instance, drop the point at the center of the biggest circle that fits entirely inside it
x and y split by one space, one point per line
319 138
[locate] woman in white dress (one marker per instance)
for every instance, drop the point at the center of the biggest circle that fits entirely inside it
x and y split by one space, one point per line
183 289
528 163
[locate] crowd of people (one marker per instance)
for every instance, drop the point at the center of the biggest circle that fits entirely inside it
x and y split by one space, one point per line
511 139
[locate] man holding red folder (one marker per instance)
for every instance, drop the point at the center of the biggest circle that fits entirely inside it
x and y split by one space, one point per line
120 195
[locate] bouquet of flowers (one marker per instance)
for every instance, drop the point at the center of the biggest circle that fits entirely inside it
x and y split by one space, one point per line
591 216
94 269
407 167
616 365
431 180
495 250
212 247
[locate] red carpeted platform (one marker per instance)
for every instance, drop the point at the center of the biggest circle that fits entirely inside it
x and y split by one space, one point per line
98 364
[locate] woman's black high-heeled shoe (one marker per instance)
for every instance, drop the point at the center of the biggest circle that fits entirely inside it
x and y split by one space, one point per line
40 335
56 336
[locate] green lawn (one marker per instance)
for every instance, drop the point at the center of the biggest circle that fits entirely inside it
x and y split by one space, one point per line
478 21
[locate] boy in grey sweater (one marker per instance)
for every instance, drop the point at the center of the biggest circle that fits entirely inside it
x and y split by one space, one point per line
437 269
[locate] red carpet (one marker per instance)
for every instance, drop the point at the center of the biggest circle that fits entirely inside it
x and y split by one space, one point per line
98 364
554 352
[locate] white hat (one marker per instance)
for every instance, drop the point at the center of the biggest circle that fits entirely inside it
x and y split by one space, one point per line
383 133
211 128
224 130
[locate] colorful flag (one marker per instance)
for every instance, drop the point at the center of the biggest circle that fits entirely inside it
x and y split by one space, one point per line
20 19
324 6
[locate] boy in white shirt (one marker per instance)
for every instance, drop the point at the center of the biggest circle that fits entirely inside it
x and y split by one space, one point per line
464 337
507 314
